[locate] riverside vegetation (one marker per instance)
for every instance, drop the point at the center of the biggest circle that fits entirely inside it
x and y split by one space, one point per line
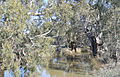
34 32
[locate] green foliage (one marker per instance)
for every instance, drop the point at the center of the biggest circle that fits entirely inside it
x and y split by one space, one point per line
34 47
15 43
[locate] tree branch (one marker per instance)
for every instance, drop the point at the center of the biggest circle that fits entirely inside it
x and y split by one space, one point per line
42 35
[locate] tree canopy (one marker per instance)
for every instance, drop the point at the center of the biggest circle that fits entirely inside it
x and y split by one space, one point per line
29 28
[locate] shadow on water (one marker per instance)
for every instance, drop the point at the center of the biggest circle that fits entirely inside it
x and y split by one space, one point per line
42 72
45 72
10 73
58 67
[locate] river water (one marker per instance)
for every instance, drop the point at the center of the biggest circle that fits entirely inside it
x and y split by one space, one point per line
56 69
42 72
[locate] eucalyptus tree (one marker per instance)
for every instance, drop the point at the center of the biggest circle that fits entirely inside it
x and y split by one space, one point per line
69 17
20 43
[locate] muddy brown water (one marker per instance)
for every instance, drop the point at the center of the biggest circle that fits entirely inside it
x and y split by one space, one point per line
45 72
69 69
79 66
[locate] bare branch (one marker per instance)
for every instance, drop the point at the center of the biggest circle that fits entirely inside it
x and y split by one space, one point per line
42 35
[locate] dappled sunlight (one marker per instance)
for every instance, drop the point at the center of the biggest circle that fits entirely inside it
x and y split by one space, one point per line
55 38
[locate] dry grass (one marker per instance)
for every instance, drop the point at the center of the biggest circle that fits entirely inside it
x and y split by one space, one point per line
79 51
96 64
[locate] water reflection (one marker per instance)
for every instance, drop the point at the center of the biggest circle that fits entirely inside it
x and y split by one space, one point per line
60 73
44 72
52 72
22 71
8 73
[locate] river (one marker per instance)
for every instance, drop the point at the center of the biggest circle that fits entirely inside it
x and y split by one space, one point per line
42 72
